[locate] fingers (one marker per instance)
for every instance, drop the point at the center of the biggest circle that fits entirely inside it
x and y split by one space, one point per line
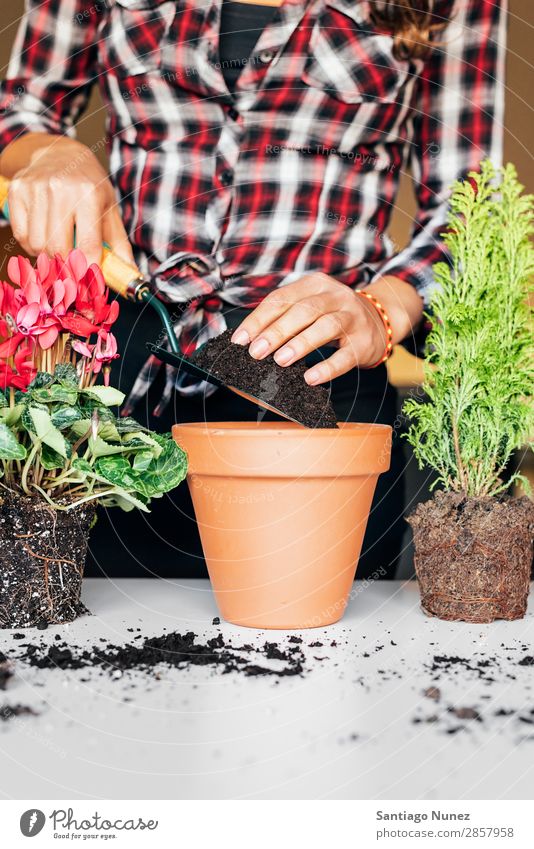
271 308
277 303
327 328
114 234
88 220
60 227
18 214
301 315
341 361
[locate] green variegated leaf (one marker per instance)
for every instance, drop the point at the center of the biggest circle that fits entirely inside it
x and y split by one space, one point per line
160 475
66 373
100 448
117 470
81 427
57 393
65 416
165 472
91 406
142 460
108 432
50 459
129 425
11 415
3 400
42 378
125 500
10 448
47 433
106 395
81 465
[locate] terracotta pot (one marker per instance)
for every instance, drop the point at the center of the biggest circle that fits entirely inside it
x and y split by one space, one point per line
282 512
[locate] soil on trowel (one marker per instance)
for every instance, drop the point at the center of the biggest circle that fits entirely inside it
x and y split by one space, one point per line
473 556
281 387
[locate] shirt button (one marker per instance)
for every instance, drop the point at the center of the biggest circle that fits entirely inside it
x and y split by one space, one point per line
266 56
233 114
226 178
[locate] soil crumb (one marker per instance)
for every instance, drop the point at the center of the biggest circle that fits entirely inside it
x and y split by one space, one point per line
6 671
283 388
8 712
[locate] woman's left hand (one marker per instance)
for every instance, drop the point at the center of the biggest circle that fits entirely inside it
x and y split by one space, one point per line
316 310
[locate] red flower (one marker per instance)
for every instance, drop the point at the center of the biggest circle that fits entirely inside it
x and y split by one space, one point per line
93 312
7 309
60 295
43 298
22 375
54 297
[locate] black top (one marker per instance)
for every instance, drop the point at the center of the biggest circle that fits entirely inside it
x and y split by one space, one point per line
241 26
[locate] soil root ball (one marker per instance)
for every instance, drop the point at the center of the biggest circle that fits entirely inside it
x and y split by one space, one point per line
473 556
42 558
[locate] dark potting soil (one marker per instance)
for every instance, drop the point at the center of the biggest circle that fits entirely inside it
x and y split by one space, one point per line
175 650
283 388
473 557
42 557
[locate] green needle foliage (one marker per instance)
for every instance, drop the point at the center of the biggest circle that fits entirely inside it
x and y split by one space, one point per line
478 406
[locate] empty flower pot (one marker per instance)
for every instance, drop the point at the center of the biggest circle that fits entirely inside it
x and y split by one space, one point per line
282 512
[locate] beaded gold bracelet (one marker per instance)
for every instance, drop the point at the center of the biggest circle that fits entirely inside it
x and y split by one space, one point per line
385 321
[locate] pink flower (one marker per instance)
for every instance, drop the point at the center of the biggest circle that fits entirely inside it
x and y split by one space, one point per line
82 348
60 295
103 352
106 347
42 298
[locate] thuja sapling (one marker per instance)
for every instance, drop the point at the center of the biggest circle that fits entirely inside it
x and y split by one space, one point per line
473 540
63 450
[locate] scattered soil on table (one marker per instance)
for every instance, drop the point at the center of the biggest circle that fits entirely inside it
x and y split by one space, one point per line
42 557
181 651
10 711
473 557
283 388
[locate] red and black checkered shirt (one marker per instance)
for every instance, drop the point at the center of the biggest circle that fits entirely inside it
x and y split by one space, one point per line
228 195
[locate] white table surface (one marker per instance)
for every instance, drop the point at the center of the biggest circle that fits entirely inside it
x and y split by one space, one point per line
343 731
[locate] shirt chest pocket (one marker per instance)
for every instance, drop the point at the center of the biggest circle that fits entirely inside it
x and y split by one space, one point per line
133 33
352 62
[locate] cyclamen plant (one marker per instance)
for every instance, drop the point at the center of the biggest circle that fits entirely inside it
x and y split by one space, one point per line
59 438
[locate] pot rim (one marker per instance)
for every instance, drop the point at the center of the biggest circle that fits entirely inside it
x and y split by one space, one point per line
290 430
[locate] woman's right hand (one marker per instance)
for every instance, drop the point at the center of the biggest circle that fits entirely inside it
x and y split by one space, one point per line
62 186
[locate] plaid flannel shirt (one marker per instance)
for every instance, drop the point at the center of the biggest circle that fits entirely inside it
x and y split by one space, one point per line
226 196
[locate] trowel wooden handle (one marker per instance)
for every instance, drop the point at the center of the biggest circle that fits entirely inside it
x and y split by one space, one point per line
124 279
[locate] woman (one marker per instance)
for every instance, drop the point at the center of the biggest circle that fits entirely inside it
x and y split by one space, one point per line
255 153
